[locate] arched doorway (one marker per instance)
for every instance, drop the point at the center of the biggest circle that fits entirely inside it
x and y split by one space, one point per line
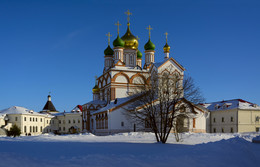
182 123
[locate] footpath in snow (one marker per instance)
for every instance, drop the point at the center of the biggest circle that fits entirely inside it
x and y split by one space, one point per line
130 149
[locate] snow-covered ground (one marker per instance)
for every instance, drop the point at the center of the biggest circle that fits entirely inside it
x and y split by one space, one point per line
130 149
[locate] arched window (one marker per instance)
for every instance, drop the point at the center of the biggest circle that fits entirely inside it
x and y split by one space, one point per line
24 129
30 129
41 128
131 60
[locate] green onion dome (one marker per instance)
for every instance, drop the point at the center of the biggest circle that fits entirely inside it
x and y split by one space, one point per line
95 89
118 42
109 51
149 45
139 55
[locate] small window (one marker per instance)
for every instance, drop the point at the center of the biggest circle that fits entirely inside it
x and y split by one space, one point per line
122 123
16 118
78 121
59 128
59 121
24 118
63 121
74 121
69 121
63 128
33 119
222 130
214 119
223 120
41 119
47 121
30 129
30 119
36 119
231 130
24 129
257 129
36 129
232 119
131 60
41 128
214 130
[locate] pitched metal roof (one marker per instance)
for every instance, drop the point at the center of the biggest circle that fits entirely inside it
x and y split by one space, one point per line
49 106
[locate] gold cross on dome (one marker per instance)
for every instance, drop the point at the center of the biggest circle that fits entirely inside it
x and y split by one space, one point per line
108 35
128 14
118 24
149 28
166 34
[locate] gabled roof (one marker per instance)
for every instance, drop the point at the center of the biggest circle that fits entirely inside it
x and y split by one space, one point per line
96 102
119 102
160 64
19 110
231 104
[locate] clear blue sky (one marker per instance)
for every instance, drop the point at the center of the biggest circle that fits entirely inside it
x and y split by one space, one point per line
58 46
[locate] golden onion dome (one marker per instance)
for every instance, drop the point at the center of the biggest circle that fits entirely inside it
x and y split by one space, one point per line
95 89
166 48
130 40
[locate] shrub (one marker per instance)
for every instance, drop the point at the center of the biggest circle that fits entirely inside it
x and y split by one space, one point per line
14 131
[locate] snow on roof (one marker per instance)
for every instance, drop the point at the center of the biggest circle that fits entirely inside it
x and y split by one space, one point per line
96 102
66 113
115 103
18 110
158 64
231 104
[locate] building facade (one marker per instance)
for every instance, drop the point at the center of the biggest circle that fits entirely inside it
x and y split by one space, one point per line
123 72
233 116
28 121
49 120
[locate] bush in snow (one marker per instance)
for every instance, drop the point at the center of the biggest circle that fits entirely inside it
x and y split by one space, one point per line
14 131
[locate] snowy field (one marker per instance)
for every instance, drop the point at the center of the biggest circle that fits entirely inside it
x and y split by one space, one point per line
130 149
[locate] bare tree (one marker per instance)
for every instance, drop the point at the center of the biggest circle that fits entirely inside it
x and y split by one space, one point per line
160 99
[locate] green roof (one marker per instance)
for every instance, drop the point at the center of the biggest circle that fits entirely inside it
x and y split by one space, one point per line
149 45
108 51
139 55
118 42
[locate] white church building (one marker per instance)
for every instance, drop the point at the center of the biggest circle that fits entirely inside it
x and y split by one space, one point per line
123 71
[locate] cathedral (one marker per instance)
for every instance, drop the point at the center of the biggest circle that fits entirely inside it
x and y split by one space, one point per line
123 71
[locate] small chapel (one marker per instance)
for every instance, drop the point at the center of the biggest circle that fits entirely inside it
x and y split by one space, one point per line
123 71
